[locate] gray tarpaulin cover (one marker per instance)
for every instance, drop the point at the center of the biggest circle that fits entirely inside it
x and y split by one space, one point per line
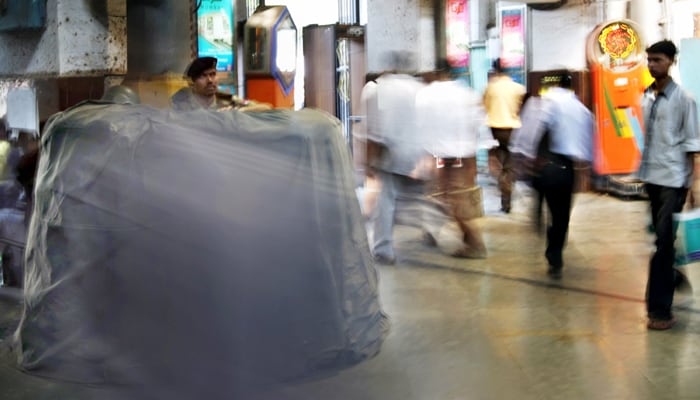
195 254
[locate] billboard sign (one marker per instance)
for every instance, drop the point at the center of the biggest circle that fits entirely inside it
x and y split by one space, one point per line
457 33
215 25
513 41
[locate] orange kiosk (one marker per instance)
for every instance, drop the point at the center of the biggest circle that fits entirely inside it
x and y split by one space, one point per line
616 59
270 50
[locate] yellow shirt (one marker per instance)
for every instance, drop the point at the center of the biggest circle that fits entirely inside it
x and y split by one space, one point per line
502 100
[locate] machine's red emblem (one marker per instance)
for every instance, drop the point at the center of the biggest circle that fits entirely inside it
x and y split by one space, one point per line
618 40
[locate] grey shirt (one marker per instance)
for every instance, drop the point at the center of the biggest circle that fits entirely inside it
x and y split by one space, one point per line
671 124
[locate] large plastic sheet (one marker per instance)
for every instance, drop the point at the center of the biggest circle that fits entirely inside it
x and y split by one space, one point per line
195 255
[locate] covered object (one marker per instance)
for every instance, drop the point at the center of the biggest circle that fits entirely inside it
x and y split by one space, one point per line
195 255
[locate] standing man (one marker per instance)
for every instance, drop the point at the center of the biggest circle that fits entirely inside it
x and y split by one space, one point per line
671 122
566 136
202 89
502 100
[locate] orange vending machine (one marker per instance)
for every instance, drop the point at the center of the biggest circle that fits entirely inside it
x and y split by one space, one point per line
616 59
270 50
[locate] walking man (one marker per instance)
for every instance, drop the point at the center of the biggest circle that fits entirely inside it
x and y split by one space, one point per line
671 123
502 100
567 131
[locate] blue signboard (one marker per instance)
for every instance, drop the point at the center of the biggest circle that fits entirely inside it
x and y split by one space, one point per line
215 25
22 14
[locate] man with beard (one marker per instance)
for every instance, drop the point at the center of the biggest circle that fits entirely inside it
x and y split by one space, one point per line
202 91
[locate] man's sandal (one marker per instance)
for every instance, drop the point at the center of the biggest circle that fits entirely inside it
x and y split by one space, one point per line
660 324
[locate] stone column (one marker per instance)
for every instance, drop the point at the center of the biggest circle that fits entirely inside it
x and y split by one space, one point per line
400 27
615 10
648 16
160 47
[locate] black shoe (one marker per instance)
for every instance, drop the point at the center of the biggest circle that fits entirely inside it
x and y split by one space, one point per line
554 259
554 272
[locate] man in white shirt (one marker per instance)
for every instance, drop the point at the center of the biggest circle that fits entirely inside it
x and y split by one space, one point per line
449 115
567 129
394 128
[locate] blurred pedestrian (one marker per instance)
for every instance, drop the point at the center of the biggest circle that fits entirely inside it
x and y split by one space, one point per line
449 115
671 140
397 136
367 147
526 148
502 100
565 136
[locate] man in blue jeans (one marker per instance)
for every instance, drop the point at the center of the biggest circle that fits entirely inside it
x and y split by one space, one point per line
672 138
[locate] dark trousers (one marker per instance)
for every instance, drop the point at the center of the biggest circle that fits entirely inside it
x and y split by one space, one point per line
505 179
665 201
555 182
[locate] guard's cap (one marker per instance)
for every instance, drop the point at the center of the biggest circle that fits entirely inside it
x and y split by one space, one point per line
199 65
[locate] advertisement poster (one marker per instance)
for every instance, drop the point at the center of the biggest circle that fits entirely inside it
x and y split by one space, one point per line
512 29
215 25
457 33
512 38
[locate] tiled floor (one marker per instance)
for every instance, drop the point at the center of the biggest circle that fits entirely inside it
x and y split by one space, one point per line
500 329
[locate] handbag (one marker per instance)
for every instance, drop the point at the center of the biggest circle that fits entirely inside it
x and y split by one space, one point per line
687 245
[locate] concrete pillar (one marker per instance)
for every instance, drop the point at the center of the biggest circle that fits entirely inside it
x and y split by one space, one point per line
478 20
79 39
400 27
616 10
159 37
648 14
91 37
160 47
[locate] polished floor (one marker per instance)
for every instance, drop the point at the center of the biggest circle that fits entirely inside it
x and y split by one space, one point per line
499 328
